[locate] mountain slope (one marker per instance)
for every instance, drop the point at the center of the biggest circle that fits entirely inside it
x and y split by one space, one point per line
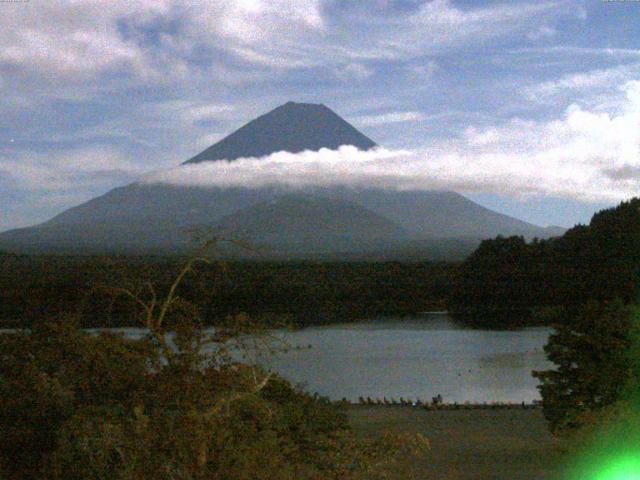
132 219
141 218
156 218
433 214
292 127
303 223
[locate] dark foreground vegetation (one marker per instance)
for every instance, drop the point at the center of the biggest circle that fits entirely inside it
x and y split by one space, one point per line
298 293
592 398
79 406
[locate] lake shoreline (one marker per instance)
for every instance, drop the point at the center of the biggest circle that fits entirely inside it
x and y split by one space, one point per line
414 360
432 407
408 361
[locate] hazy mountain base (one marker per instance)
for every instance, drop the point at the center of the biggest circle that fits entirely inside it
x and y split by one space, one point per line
156 219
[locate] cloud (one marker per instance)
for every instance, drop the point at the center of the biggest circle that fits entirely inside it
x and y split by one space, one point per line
36 186
259 21
450 25
289 34
162 39
353 71
606 78
424 71
584 155
385 118
72 38
542 32
151 40
626 172
573 51
67 170
434 27
188 111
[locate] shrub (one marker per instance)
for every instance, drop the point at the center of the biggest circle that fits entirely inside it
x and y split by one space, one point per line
76 405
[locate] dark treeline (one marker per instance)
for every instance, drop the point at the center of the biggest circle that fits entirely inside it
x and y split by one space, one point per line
299 293
506 279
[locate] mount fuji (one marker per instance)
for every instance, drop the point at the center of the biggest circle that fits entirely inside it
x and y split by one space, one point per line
336 222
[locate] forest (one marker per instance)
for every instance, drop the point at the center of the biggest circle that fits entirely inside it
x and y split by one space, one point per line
511 281
294 293
505 282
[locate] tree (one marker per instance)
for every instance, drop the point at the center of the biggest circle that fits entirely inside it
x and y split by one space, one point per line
175 404
496 282
599 261
593 367
608 437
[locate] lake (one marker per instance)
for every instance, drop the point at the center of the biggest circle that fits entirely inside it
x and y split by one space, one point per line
414 358
418 357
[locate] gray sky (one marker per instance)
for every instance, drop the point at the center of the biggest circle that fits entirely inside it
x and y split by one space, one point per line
531 108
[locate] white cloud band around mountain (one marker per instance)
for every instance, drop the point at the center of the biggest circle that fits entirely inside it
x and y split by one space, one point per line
589 156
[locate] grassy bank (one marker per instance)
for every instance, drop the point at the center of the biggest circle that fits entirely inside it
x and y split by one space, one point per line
510 444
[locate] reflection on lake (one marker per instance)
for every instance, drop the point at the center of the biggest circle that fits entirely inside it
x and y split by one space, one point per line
416 358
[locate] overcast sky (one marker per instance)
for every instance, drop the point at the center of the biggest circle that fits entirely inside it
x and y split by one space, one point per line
529 107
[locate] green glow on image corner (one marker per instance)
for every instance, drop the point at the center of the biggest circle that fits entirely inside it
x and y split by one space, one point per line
626 467
614 452
617 455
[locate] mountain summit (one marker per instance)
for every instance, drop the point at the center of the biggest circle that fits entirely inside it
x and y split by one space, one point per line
292 127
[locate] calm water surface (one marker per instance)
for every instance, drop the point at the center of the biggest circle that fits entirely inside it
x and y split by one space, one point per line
413 358
416 358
